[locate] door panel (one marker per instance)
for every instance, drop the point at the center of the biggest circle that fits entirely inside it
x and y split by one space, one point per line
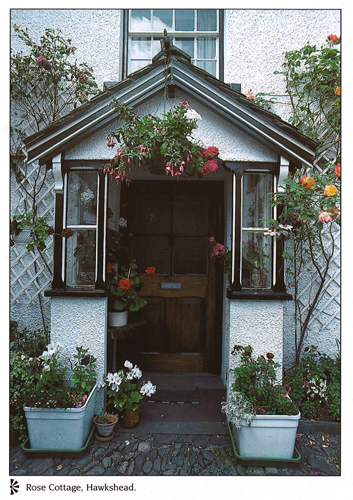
171 223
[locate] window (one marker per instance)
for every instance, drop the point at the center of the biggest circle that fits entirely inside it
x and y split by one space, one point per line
256 248
195 31
81 219
257 262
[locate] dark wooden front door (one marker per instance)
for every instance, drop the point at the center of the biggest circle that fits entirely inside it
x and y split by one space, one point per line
171 223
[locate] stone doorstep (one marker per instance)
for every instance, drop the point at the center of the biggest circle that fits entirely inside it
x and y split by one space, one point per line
305 426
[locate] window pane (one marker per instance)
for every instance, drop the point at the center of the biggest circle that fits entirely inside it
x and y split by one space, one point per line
82 198
209 66
190 255
141 20
206 20
156 46
152 251
136 65
256 259
184 20
256 199
206 48
154 214
140 47
162 19
185 44
191 215
81 258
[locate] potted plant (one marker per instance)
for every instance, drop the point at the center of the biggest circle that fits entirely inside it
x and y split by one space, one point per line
164 143
263 416
56 397
105 423
123 293
28 229
126 393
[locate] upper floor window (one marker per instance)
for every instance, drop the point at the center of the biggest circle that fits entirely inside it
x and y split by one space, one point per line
195 31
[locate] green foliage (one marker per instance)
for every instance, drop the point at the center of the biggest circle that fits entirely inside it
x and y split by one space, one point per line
315 384
38 226
313 83
124 390
31 343
143 139
256 380
45 81
84 371
309 210
123 289
43 381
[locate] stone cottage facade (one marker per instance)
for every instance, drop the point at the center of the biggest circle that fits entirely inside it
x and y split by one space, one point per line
216 57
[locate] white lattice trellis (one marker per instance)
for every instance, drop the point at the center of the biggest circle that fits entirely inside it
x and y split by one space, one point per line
29 275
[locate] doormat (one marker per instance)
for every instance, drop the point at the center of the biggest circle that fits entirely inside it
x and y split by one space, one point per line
180 397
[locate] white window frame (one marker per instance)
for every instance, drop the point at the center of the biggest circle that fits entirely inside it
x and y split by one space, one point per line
176 34
78 227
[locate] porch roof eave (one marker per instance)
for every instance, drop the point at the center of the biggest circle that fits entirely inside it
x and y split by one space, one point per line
262 125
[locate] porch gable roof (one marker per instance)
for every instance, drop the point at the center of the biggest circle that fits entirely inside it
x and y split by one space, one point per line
264 126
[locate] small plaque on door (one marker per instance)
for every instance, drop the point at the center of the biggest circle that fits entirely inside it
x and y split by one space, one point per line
170 285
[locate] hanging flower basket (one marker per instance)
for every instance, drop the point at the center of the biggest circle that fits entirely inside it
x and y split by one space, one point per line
163 145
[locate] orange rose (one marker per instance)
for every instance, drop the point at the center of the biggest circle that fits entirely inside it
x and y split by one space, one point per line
330 191
308 182
338 90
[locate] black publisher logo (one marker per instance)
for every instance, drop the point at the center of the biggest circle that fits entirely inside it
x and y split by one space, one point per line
14 486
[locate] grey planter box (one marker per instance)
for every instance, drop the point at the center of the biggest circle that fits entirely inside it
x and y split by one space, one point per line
59 428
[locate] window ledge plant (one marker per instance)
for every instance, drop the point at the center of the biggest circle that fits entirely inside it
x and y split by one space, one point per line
255 390
167 140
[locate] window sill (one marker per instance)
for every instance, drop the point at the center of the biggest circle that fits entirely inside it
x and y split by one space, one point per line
248 294
76 292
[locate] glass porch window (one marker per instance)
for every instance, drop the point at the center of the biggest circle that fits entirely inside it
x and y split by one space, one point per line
256 248
195 31
81 218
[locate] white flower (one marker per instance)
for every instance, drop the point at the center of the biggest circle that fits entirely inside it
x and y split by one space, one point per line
137 373
271 233
129 365
191 114
122 222
87 196
130 376
148 389
46 368
75 187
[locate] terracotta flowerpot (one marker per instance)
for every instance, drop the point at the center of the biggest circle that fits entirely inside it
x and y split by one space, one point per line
130 418
106 428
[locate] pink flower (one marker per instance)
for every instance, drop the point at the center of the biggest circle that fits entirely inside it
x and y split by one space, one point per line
83 76
338 170
325 217
212 239
183 103
218 249
333 38
43 62
249 95
305 382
